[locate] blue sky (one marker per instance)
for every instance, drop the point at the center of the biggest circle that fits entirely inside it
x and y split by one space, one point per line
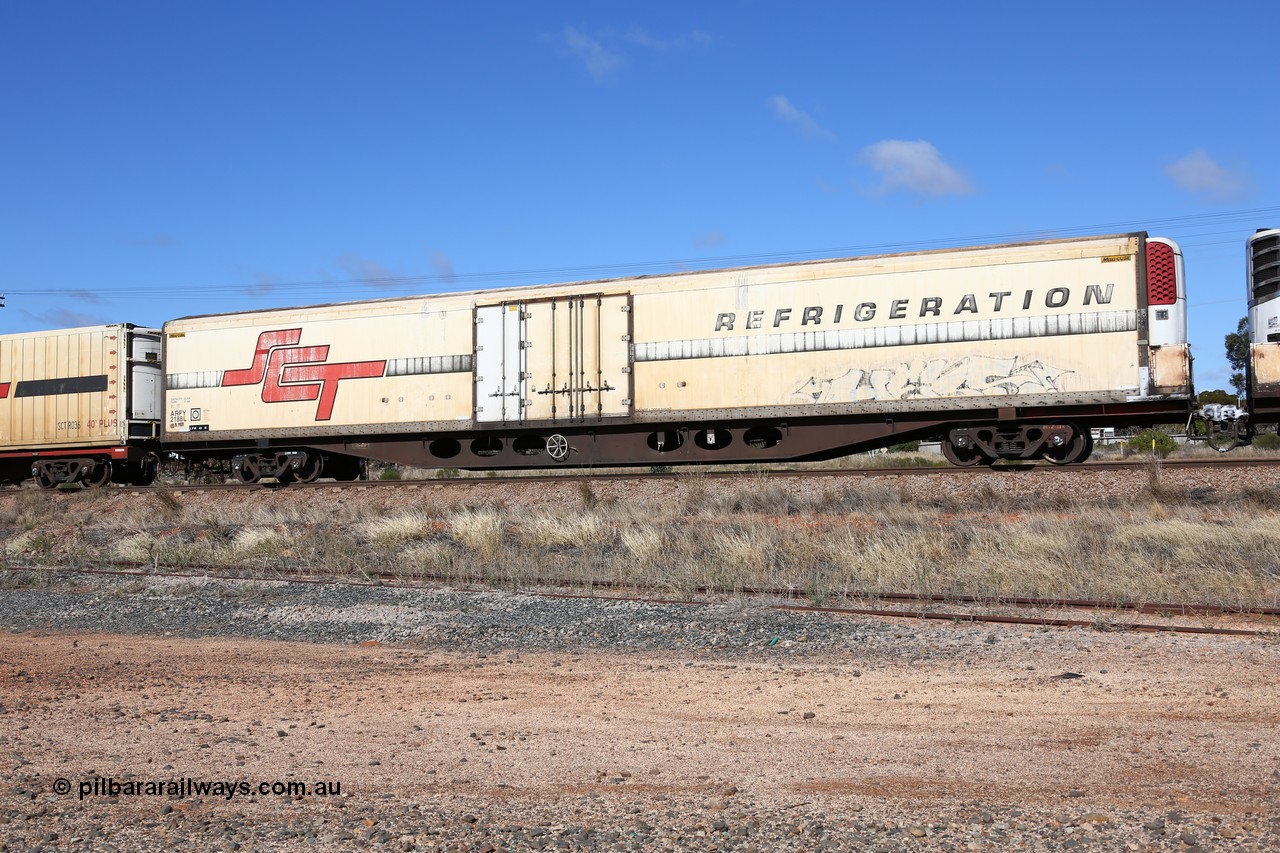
167 159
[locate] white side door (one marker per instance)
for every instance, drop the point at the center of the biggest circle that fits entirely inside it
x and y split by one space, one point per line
499 363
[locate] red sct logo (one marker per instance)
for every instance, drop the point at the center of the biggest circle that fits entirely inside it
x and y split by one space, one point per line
290 373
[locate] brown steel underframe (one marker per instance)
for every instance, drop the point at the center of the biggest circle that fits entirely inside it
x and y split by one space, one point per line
613 444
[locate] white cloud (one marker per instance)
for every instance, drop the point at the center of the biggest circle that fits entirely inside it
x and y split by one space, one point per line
602 52
644 39
799 119
914 167
600 61
1199 173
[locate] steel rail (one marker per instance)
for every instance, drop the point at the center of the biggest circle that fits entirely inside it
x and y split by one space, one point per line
387 579
1038 621
697 472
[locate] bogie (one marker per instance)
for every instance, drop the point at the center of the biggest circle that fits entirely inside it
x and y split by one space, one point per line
1058 443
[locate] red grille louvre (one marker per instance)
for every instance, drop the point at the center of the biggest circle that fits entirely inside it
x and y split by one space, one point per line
1162 275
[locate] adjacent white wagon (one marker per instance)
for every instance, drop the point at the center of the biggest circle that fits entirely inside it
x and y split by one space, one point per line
80 405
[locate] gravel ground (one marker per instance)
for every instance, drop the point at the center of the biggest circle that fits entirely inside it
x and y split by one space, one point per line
444 618
486 721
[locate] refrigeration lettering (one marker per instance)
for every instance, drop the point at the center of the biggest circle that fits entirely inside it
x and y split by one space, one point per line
995 302
1094 293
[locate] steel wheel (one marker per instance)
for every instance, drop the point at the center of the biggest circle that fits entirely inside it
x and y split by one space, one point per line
310 469
964 457
144 472
281 480
1075 450
1243 430
244 475
99 475
346 468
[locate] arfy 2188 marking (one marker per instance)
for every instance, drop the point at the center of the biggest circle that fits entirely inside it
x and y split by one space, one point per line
290 373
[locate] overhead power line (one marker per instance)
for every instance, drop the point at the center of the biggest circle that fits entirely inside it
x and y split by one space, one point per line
392 284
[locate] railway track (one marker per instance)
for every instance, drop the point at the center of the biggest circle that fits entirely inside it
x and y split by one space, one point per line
569 475
1264 621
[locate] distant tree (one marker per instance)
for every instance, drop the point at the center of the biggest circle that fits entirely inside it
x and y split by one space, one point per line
1238 353
1216 396
1152 441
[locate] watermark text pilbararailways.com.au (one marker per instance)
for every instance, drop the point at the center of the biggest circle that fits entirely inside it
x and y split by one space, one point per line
186 787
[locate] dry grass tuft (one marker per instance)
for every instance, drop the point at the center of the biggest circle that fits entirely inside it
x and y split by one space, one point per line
430 558
694 490
251 542
579 531
480 530
166 503
30 544
1261 496
644 544
739 557
26 579
587 495
138 548
395 530
30 509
